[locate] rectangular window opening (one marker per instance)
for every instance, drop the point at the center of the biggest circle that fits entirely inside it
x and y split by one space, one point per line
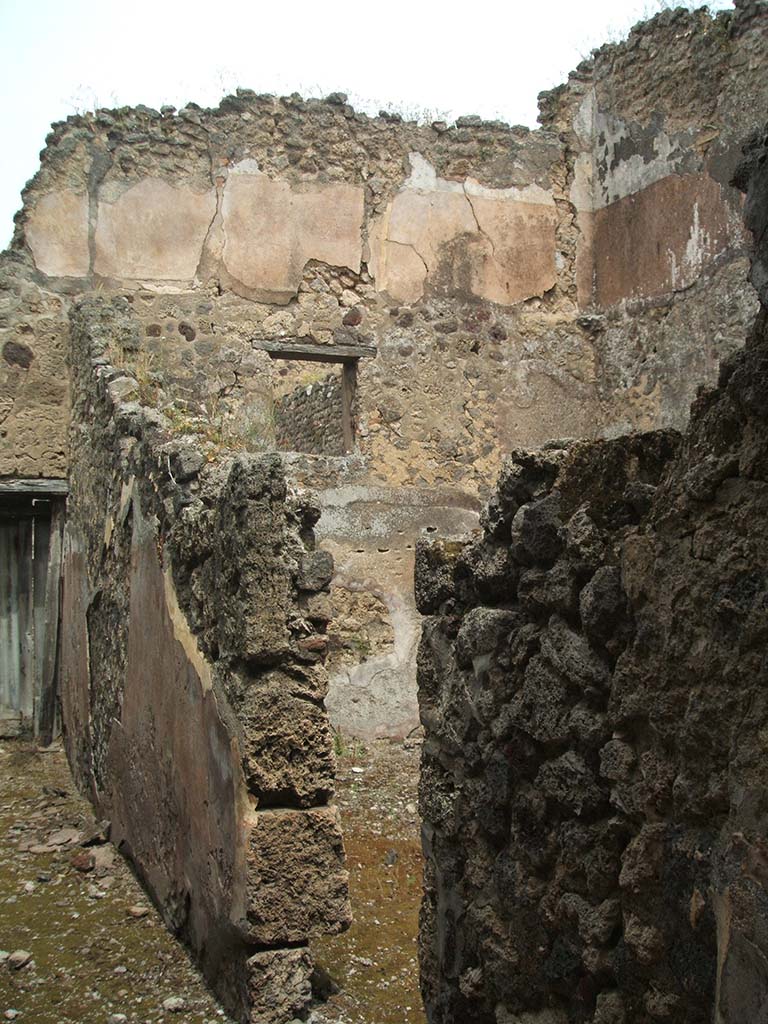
314 406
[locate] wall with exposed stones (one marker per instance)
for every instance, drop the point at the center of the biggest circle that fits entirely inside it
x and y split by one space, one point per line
492 265
192 681
654 127
309 418
517 285
592 681
34 392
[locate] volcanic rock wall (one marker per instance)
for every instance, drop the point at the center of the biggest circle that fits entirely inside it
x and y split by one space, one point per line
192 679
592 680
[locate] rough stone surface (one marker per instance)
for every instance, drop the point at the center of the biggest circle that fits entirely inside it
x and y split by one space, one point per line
309 418
279 982
474 259
593 773
295 879
34 396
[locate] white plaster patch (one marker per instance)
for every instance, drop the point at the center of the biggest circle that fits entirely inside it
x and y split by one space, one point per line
246 166
582 186
697 249
634 173
153 231
57 233
423 178
584 121
272 229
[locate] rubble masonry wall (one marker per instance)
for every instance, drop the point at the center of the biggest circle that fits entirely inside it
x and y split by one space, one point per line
517 285
309 418
592 682
192 682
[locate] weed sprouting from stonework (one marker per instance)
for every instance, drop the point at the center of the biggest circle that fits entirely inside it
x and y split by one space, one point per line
347 748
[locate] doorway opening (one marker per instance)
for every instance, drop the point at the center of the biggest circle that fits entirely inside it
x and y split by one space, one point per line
31 525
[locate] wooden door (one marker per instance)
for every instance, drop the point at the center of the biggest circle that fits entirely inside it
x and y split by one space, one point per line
28 612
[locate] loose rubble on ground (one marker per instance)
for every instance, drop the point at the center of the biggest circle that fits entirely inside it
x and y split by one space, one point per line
81 944
79 941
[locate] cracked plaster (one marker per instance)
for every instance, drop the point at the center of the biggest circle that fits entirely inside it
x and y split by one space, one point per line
509 236
153 231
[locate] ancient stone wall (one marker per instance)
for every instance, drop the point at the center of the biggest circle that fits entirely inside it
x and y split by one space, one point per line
192 677
592 682
516 285
309 419
34 392
469 254
653 128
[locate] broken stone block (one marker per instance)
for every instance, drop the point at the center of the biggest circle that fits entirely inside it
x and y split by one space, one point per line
481 633
286 742
535 533
603 604
487 568
541 591
433 573
315 570
296 879
570 653
279 984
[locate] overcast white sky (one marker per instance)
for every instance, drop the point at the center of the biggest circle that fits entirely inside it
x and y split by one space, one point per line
59 57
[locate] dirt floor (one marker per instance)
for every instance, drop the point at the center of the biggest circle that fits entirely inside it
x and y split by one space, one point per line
375 962
81 944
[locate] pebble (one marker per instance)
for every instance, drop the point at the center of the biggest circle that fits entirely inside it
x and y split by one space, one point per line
138 911
103 856
11 1014
96 835
64 837
83 861
116 1018
18 959
174 1004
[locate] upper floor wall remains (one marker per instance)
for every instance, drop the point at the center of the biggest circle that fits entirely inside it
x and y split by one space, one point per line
495 268
656 125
